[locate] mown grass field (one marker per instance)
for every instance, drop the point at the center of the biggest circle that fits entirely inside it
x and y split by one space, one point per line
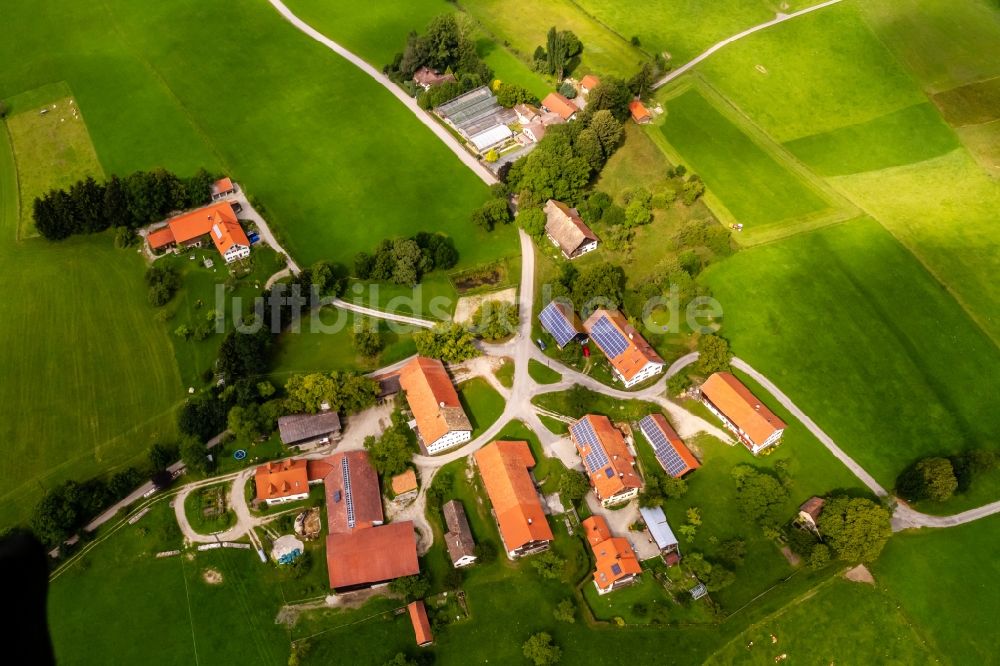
483 405
51 150
121 600
945 580
89 380
523 25
867 343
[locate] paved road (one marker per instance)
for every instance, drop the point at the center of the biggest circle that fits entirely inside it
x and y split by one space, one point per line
382 314
780 18
450 141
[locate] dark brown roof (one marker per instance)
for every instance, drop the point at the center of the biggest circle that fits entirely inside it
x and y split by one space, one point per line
300 427
459 537
564 226
388 385
813 506
372 555
364 497
426 76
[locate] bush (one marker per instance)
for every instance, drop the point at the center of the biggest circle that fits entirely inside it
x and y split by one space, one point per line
929 478
567 90
495 320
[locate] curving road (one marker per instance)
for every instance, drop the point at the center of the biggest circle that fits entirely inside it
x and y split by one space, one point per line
780 18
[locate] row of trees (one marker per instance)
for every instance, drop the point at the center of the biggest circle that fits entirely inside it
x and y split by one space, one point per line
136 200
405 260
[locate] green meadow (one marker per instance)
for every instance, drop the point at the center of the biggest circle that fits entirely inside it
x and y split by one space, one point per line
89 380
852 327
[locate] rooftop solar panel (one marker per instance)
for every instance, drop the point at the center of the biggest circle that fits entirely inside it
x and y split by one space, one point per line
345 472
608 338
596 457
665 452
555 323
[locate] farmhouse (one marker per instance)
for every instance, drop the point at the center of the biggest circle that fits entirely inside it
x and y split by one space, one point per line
588 83
640 114
517 507
216 221
634 360
558 104
404 486
567 231
361 551
659 530
222 188
741 412
427 78
478 117
282 481
461 545
560 321
440 420
616 565
307 431
421 625
606 458
534 130
675 458
526 113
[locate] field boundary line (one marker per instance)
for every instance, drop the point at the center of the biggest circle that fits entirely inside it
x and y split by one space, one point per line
187 596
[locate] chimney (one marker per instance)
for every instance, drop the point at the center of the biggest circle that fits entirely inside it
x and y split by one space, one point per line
441 404
324 406
529 521
631 335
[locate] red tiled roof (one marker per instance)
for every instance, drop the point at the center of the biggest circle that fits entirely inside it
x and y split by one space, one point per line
421 625
639 112
676 443
432 399
614 556
160 238
216 220
365 497
404 483
222 186
636 355
281 479
557 103
504 468
742 407
373 555
621 464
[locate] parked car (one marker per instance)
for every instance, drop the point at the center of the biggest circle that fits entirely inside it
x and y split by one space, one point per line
541 345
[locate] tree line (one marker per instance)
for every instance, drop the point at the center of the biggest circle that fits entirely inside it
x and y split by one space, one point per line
405 260
129 202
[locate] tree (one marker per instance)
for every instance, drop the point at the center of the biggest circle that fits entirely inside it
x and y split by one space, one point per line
401 660
969 465
247 423
339 391
603 284
565 611
195 455
693 189
532 220
642 83
758 495
638 213
819 557
930 478
492 213
608 130
410 587
509 95
391 452
573 487
450 342
714 354
588 146
611 94
567 90
244 355
549 565
202 416
367 338
491 156
495 320
855 528
161 456
4 109
325 279
541 651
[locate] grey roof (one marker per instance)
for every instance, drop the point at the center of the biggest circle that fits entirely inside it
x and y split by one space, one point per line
564 226
301 427
656 523
459 537
476 111
388 385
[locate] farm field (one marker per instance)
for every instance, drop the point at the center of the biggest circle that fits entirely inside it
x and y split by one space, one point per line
760 189
51 151
811 629
165 602
72 408
944 211
524 25
960 625
320 351
876 352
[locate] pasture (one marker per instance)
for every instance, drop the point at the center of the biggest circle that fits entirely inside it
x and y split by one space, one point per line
751 178
52 149
523 25
867 343
946 583
89 381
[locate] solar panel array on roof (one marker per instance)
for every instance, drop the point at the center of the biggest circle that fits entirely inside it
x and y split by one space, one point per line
555 323
608 338
345 472
664 450
616 569
597 457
